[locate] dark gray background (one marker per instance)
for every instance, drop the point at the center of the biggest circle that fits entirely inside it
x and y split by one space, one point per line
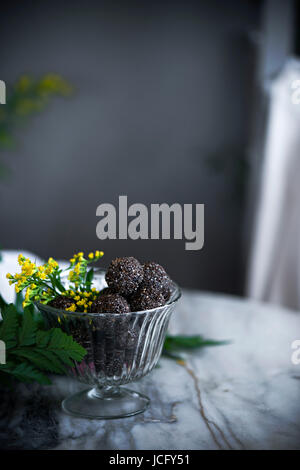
161 113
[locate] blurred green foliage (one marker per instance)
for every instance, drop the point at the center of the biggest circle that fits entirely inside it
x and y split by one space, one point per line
28 96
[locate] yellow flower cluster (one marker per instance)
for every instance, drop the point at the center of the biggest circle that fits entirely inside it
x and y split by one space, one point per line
32 95
28 269
95 256
79 263
30 293
82 301
54 84
31 277
77 257
47 269
91 256
43 283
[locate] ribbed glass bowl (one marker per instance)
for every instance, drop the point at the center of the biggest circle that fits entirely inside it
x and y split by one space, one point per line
120 348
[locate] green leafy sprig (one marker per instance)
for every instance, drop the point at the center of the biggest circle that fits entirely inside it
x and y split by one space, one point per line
174 345
26 97
32 351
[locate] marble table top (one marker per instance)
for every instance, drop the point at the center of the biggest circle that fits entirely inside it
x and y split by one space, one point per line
243 395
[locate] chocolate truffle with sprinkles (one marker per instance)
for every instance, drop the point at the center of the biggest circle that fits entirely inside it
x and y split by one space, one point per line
107 290
124 275
61 302
145 299
156 278
110 303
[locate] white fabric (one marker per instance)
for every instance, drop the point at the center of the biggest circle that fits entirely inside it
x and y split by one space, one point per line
275 263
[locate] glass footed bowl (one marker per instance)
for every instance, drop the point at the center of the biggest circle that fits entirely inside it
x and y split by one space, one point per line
121 348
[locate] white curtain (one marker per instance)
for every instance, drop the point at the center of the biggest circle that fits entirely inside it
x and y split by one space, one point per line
275 261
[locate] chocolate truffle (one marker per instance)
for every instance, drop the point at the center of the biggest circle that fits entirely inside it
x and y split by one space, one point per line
124 275
156 278
145 299
107 290
110 303
114 365
133 337
61 302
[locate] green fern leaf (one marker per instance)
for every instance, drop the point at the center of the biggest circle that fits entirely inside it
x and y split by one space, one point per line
55 361
26 373
9 326
65 357
32 350
41 359
3 306
61 341
28 329
43 338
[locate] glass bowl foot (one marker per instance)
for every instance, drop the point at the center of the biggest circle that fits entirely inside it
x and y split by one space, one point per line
105 403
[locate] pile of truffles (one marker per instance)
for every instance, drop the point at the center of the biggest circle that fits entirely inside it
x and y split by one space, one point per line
132 287
114 343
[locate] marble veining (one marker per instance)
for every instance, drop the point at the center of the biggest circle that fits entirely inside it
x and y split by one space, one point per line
244 395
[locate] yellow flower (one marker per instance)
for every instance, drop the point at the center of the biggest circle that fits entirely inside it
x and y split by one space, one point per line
72 308
9 276
91 255
77 268
48 270
24 83
52 263
27 295
21 259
